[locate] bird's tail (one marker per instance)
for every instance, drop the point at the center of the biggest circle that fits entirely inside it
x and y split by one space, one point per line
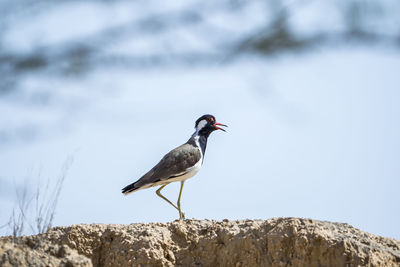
129 188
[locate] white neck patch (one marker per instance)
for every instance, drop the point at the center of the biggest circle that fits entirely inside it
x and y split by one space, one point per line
201 125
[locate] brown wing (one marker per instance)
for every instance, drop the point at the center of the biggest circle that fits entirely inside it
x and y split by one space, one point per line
173 164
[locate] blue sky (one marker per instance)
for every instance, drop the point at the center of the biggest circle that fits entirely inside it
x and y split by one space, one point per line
312 135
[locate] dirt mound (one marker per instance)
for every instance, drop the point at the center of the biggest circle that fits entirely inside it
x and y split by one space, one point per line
274 242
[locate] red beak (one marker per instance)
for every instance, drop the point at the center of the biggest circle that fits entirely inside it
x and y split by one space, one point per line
220 124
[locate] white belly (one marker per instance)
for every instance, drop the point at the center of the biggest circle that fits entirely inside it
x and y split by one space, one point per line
189 173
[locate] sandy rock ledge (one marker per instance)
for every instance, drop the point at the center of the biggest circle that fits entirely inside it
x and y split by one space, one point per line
274 242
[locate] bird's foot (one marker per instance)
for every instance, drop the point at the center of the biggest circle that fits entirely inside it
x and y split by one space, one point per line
181 216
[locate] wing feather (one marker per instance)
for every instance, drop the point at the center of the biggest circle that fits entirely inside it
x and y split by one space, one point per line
173 164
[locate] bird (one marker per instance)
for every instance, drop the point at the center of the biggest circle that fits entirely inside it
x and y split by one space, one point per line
180 163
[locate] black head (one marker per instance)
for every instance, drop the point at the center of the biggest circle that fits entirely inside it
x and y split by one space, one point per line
206 124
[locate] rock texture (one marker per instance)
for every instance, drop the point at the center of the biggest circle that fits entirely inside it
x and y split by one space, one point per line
274 242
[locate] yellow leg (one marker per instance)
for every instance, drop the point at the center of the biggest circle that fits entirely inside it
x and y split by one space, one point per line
159 194
181 214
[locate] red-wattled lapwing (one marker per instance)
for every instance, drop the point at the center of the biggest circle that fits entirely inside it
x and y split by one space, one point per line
179 164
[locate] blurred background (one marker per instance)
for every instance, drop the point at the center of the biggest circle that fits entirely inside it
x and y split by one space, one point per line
309 89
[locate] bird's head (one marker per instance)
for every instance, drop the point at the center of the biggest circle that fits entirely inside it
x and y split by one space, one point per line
206 124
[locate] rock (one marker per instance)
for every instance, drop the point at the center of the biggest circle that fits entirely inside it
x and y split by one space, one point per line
274 242
29 251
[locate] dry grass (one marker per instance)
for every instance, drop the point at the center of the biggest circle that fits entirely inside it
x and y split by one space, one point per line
34 211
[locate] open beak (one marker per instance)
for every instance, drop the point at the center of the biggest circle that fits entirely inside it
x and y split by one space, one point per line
219 124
